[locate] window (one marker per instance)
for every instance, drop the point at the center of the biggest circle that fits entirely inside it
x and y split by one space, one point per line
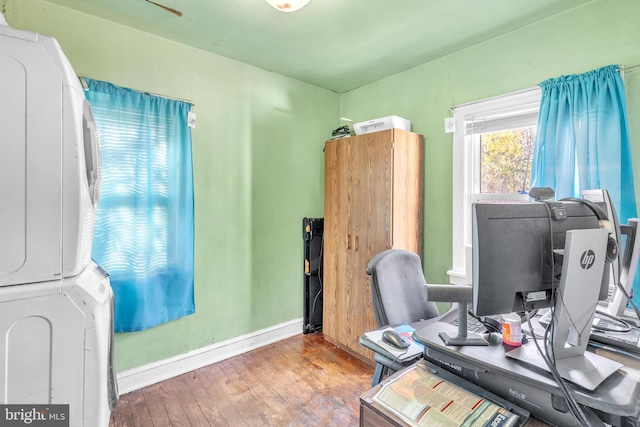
492 152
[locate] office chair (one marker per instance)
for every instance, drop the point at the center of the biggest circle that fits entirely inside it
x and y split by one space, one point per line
397 283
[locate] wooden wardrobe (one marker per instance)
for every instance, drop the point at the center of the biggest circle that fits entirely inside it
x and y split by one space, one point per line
373 201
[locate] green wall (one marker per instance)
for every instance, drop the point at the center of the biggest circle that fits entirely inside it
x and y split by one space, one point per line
599 33
258 170
258 143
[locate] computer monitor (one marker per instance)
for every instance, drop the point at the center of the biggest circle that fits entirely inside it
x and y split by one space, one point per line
545 254
623 270
513 261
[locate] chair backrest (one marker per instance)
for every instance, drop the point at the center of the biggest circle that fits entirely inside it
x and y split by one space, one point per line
396 288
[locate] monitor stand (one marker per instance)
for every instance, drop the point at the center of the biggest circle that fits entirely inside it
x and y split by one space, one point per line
464 336
463 295
582 271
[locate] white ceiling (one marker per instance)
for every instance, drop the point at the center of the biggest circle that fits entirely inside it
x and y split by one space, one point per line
339 45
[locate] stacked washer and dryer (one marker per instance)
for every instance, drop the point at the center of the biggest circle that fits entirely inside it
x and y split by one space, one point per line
56 304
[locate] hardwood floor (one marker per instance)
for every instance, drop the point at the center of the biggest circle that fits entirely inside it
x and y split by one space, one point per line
300 381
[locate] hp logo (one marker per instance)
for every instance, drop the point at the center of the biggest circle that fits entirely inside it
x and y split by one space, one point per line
587 259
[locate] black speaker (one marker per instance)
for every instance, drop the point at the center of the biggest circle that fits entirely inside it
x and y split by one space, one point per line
312 233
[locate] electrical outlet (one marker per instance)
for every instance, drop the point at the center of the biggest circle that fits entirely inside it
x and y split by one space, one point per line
449 125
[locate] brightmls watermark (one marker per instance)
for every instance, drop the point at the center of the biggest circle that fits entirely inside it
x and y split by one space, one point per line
34 415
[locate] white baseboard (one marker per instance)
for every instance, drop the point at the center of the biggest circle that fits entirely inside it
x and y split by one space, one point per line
142 376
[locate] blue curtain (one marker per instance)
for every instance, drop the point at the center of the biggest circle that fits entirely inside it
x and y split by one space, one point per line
583 140
144 232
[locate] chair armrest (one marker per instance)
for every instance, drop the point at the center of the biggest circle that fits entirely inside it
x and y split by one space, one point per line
462 294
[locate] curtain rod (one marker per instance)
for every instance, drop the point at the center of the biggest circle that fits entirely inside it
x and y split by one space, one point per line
86 87
170 97
623 68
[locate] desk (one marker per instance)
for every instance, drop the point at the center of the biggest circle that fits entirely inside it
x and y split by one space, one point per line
616 400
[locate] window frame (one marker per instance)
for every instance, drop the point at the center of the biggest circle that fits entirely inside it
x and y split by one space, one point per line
466 172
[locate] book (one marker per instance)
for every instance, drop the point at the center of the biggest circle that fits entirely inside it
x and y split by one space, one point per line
422 398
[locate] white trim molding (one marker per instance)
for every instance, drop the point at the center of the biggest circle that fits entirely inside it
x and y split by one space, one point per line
142 376
466 164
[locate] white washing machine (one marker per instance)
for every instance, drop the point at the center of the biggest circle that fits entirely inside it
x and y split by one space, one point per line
56 305
55 346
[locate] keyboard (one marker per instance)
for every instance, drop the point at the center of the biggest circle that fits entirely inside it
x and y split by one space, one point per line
628 341
474 325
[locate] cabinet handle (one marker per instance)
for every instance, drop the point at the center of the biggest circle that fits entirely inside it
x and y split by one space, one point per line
348 241
356 242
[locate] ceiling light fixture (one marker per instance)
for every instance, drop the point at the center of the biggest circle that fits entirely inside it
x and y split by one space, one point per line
288 5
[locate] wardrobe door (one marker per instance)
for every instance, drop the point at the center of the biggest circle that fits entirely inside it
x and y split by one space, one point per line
336 224
371 227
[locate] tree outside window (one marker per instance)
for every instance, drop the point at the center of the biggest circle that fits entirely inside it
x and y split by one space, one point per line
505 160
